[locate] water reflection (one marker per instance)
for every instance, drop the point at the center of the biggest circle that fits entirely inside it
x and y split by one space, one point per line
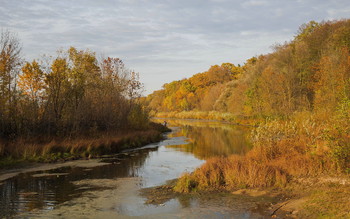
208 139
35 192
26 192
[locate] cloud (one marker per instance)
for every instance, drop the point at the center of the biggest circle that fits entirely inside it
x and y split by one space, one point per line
336 13
254 3
166 38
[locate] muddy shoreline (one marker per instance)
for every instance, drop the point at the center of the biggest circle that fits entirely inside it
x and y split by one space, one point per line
265 202
299 199
122 198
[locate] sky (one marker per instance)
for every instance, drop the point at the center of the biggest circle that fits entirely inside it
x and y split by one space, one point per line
163 40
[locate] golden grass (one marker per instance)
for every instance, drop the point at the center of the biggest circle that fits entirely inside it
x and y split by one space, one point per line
207 115
211 115
80 147
231 173
282 150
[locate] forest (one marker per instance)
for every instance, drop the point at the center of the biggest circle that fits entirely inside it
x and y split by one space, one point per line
308 74
297 98
48 104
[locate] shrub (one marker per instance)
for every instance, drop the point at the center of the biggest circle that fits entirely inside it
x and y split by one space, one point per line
185 184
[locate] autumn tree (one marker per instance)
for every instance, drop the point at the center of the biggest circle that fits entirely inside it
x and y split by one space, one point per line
57 89
31 84
68 95
10 61
112 106
31 81
333 81
199 92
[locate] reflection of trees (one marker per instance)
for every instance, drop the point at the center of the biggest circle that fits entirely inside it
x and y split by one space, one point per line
200 123
25 193
208 139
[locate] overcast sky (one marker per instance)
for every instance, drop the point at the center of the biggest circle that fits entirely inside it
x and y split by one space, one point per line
163 40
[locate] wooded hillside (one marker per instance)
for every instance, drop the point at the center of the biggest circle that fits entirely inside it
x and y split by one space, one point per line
310 73
297 97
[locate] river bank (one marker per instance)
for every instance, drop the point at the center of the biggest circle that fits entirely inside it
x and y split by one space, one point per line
22 152
134 183
210 116
97 187
114 187
303 157
323 197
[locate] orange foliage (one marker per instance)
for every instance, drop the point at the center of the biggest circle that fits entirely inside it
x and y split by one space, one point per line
198 92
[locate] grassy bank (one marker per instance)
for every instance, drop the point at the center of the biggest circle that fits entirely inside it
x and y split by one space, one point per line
304 146
209 115
62 149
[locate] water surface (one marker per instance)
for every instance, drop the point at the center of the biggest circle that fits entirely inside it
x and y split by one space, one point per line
112 190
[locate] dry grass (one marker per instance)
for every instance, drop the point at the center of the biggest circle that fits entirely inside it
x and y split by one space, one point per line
282 150
232 173
211 115
65 149
208 115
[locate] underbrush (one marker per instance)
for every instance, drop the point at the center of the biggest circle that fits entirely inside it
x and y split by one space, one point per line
305 145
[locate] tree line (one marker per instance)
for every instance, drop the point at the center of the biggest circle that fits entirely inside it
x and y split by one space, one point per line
298 100
297 97
198 92
310 73
69 94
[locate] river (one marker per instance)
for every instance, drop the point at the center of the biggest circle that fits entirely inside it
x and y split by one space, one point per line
109 187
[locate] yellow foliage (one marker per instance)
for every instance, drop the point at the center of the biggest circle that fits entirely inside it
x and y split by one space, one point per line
31 81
